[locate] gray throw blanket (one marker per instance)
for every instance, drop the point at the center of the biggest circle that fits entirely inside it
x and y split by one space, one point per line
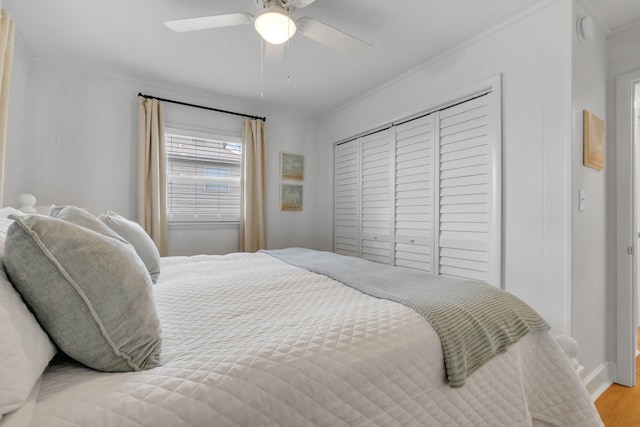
475 321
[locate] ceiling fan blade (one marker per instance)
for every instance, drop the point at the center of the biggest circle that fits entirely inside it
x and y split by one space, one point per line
297 3
331 37
207 22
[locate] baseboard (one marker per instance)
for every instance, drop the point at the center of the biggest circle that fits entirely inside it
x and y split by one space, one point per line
598 380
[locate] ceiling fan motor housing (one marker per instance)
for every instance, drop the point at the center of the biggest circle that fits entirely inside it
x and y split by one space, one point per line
274 25
285 4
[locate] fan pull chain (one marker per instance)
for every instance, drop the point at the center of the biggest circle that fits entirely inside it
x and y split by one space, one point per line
288 57
262 68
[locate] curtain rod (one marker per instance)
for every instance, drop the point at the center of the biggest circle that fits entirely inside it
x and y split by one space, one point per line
264 119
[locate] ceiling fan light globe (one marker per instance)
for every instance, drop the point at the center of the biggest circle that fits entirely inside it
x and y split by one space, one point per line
275 26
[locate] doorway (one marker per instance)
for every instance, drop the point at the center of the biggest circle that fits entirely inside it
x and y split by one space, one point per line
636 170
628 217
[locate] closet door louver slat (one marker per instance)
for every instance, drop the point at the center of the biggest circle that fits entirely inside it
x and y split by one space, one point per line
347 199
464 190
377 200
414 194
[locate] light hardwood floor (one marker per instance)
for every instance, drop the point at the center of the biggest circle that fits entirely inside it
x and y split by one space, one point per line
619 406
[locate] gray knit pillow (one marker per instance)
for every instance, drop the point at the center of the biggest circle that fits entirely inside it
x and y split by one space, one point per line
139 239
84 219
89 291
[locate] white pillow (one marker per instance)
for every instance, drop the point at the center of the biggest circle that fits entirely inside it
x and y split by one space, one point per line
25 349
5 212
4 225
133 233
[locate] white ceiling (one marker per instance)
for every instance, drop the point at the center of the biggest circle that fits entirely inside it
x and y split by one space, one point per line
129 37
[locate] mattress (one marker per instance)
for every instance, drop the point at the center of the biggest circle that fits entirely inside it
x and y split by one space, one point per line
249 340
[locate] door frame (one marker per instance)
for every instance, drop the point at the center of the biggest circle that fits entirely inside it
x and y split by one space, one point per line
627 232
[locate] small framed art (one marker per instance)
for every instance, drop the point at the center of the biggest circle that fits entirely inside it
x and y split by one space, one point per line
593 140
291 197
291 167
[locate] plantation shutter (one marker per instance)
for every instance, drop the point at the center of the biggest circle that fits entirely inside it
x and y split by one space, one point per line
465 190
377 200
414 194
426 193
347 199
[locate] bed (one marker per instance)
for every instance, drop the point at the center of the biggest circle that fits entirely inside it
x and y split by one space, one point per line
251 340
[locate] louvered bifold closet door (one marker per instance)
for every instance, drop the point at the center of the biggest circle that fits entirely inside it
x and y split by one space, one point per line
465 190
377 199
347 199
414 194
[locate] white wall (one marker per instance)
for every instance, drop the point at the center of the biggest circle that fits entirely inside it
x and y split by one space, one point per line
533 55
82 136
589 237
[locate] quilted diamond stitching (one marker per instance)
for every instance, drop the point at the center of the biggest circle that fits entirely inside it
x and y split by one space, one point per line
279 346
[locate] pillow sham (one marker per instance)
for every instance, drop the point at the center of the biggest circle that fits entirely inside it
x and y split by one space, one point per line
89 291
5 212
5 222
25 349
138 238
83 218
4 227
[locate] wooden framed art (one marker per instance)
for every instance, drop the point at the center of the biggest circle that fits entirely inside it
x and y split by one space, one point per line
291 197
594 140
291 167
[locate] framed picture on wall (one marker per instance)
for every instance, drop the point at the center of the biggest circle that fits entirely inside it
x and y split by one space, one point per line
291 167
291 197
593 140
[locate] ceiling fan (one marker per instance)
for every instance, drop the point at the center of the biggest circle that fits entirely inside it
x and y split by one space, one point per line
275 26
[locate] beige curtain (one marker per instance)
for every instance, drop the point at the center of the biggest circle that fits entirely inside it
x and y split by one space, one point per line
152 186
252 224
6 55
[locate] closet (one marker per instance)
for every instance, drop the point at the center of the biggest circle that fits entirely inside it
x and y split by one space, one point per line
425 192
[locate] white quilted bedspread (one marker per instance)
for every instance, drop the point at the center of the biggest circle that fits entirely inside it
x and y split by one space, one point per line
252 341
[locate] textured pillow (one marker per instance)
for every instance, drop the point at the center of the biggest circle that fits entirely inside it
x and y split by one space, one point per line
25 349
139 239
90 292
81 217
5 212
4 227
5 222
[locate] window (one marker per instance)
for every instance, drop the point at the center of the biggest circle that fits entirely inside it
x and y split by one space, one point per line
203 177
